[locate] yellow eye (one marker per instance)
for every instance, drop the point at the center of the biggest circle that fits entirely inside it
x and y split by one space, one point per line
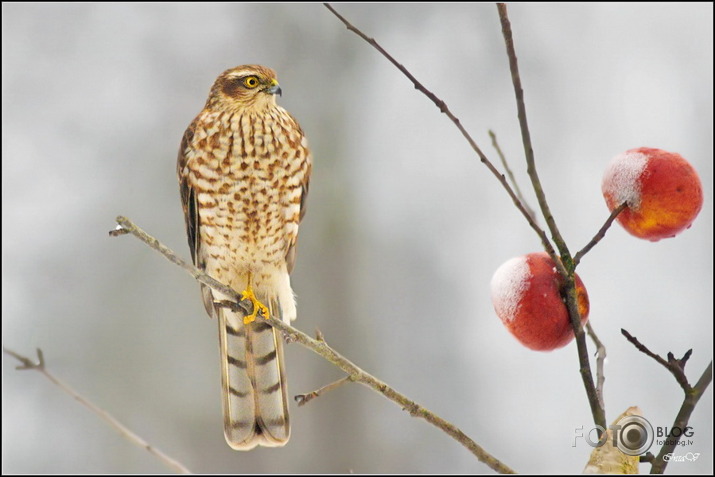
250 82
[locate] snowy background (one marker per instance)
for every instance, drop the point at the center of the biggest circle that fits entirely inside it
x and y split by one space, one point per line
404 229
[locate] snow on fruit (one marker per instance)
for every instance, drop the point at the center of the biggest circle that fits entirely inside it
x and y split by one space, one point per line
662 191
527 294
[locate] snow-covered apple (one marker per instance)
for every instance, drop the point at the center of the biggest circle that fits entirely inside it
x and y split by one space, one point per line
528 296
661 189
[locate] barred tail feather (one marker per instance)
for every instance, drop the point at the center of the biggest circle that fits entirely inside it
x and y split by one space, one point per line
255 400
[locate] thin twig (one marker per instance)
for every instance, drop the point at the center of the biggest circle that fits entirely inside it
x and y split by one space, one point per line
526 134
444 109
510 174
600 362
672 365
321 348
27 363
600 234
597 411
565 265
681 420
303 399
692 396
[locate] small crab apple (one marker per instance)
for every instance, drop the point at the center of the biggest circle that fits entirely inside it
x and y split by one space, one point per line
527 294
661 189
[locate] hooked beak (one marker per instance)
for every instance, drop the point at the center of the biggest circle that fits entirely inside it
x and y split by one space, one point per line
274 88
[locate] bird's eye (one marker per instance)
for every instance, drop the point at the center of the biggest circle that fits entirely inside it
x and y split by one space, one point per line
250 82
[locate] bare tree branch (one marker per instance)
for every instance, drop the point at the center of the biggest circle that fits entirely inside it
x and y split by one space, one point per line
565 265
600 234
526 135
126 226
597 410
681 420
675 366
444 109
692 396
27 363
321 348
510 174
303 399
600 362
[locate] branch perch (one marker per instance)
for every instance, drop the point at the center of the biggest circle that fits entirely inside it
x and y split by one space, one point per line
319 347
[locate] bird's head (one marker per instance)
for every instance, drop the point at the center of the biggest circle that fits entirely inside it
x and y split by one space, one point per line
245 87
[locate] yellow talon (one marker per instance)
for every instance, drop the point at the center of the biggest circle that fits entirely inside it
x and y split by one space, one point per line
258 307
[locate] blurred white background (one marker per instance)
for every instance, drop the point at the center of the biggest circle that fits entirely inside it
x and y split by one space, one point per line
404 228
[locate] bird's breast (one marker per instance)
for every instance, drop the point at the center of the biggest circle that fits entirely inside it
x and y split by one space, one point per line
247 171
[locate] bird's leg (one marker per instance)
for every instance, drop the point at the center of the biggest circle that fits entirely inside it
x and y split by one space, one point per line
248 294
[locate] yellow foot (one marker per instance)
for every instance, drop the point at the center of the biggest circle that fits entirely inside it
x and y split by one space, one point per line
258 307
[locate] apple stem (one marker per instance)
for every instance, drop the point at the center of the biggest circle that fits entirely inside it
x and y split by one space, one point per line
600 234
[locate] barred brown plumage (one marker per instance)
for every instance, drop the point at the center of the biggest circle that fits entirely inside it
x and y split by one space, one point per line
243 168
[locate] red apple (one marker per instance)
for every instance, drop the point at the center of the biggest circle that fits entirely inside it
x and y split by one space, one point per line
527 294
662 190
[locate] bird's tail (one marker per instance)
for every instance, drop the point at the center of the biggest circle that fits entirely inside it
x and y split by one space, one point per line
255 401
